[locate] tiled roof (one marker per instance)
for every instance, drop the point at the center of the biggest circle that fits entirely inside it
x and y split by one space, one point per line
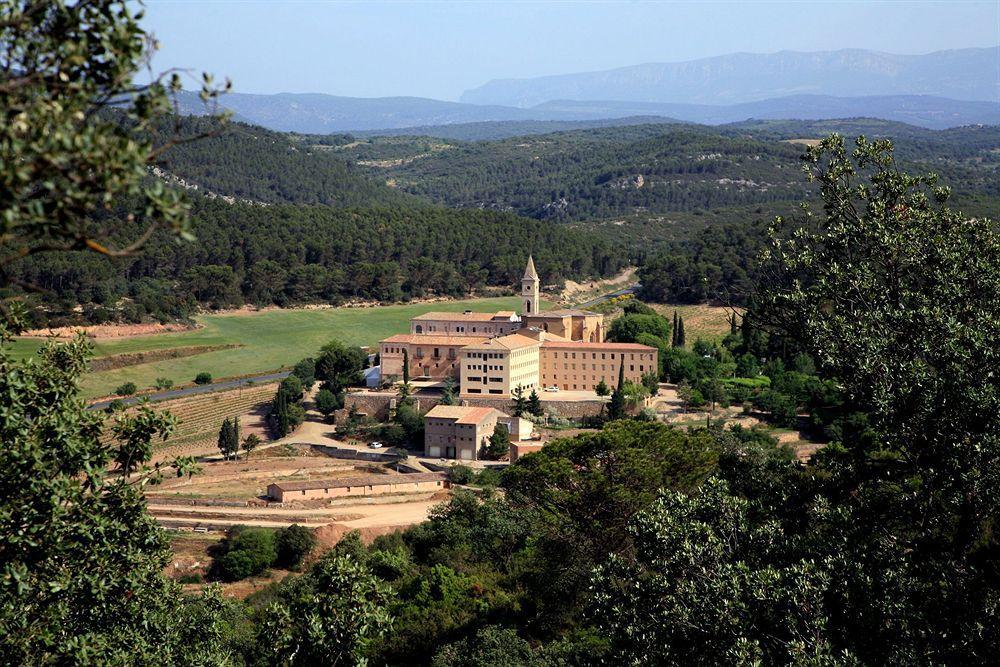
597 347
464 317
432 339
462 414
365 480
565 312
510 342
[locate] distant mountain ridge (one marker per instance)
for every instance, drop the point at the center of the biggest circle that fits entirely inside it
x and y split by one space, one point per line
316 113
961 74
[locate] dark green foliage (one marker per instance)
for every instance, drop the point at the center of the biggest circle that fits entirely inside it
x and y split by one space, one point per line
326 402
534 405
339 366
406 367
499 443
449 392
602 388
411 421
626 328
246 552
250 443
203 378
490 647
681 339
460 474
305 371
328 616
164 383
651 381
616 407
292 545
83 560
126 389
229 438
883 551
520 401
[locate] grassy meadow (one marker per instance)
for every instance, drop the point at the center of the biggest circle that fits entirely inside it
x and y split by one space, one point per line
268 340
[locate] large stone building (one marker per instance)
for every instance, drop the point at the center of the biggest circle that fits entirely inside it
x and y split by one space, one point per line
492 354
458 432
497 366
430 356
577 366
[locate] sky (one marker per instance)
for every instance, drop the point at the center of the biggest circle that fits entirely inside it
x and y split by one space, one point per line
440 49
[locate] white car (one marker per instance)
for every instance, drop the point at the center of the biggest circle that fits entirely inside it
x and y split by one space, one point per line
375 445
553 388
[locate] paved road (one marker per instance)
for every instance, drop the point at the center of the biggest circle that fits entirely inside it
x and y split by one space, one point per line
197 389
634 289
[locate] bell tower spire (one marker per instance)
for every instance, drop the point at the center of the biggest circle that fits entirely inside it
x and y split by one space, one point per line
529 288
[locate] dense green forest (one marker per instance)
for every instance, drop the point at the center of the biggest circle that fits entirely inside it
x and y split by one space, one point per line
289 254
644 170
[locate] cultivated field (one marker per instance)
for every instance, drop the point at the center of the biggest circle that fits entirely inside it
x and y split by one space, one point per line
708 322
200 418
267 340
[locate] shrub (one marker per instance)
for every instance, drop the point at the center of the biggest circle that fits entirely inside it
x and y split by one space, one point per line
164 383
326 402
194 578
126 389
460 474
203 378
247 552
602 388
293 544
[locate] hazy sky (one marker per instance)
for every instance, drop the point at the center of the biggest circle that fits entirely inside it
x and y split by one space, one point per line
439 49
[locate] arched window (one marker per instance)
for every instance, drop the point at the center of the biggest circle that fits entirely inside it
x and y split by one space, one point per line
419 328
527 306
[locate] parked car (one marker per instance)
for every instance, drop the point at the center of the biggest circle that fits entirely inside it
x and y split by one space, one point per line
375 445
552 388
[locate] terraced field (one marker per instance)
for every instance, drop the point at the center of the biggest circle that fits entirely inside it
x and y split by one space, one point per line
200 418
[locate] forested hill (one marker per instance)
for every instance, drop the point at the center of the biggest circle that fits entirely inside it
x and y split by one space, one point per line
598 173
653 169
251 163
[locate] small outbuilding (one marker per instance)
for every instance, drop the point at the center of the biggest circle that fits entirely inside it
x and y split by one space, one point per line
367 485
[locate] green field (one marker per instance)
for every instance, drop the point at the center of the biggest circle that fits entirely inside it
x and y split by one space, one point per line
269 340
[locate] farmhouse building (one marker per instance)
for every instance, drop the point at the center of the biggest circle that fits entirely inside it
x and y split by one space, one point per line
367 485
459 432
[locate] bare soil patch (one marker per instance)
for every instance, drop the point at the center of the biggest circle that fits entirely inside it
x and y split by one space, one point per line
573 289
110 330
114 361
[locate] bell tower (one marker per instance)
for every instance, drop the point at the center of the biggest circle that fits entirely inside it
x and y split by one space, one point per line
529 289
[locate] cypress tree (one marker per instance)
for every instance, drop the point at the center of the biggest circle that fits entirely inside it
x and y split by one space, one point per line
673 335
680 332
406 366
223 441
616 408
279 414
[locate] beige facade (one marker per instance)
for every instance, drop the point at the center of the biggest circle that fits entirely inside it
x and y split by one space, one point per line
497 366
571 324
368 485
468 323
433 356
574 366
519 449
458 432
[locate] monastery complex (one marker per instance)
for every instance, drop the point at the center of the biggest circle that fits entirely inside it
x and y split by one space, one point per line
490 355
